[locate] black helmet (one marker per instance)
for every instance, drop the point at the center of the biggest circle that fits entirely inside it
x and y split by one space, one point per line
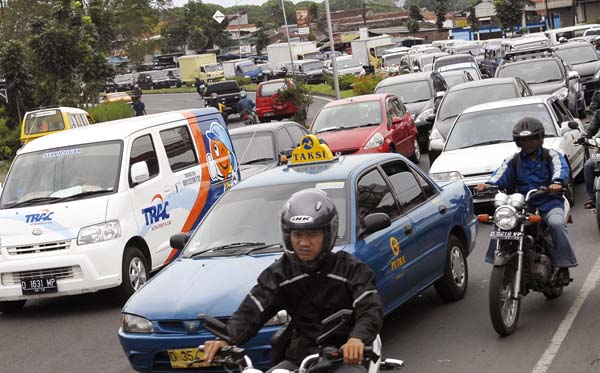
528 128
309 209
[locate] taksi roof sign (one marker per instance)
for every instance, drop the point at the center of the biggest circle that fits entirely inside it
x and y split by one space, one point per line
311 150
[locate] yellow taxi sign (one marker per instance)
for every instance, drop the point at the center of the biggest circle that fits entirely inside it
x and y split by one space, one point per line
311 150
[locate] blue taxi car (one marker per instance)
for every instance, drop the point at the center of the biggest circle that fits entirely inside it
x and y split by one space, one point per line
411 231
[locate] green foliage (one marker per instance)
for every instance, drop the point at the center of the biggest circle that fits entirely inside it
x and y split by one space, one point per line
441 9
299 95
18 80
345 81
365 85
509 13
242 81
415 13
473 20
111 111
9 139
197 39
261 39
412 26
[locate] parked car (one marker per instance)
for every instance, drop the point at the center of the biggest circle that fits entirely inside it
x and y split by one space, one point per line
346 65
377 123
582 57
124 82
228 92
309 71
144 80
484 132
261 147
160 79
472 49
269 105
419 92
465 95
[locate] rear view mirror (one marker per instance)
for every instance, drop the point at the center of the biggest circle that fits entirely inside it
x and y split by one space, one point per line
396 120
178 241
573 125
139 172
573 75
430 118
376 222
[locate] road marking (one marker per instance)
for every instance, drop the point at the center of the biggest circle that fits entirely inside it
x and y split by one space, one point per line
590 283
323 98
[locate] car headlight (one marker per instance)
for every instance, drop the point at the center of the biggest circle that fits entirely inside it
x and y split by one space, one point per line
260 74
561 94
424 114
247 76
280 318
375 141
135 324
99 232
597 76
446 176
506 218
435 135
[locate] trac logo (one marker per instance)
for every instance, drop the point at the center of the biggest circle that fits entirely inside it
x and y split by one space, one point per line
158 212
43 217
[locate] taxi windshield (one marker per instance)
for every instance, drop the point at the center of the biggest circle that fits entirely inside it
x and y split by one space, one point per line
351 115
54 175
248 219
44 121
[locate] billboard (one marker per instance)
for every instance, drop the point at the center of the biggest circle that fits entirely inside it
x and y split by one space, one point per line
303 21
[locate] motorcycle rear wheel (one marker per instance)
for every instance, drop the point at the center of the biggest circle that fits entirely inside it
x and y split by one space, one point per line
553 293
504 309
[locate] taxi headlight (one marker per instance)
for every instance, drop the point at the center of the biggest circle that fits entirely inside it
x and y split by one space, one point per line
280 318
375 141
423 116
447 176
506 218
99 232
561 94
135 324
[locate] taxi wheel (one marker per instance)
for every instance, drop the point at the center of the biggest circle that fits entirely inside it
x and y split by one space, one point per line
134 272
453 284
12 306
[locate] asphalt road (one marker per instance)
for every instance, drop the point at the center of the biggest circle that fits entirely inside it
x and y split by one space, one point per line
78 334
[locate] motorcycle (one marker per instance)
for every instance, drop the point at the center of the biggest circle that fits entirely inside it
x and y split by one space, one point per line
201 89
590 145
327 360
522 257
249 117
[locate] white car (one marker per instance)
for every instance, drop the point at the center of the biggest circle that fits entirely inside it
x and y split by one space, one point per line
346 65
481 138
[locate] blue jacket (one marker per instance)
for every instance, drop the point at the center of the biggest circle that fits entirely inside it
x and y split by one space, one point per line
532 175
245 104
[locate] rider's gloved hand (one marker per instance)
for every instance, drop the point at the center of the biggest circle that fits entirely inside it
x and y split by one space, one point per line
211 348
555 188
481 187
353 351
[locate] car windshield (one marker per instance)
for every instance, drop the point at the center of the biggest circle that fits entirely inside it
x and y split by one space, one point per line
457 101
269 89
212 68
593 31
533 71
253 147
248 67
351 115
473 50
311 66
409 92
452 61
44 121
225 227
347 63
579 55
55 174
495 125
392 60
453 78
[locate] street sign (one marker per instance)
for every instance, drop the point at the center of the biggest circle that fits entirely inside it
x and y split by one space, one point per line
245 49
218 16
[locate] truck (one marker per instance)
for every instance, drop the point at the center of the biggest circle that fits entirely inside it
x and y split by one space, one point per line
279 53
203 66
243 67
361 48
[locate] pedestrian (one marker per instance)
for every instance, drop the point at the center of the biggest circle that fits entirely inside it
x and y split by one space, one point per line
139 108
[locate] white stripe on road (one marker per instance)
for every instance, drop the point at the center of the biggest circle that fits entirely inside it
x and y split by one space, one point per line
590 283
323 98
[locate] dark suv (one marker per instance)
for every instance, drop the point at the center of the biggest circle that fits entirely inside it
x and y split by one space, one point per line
228 92
582 57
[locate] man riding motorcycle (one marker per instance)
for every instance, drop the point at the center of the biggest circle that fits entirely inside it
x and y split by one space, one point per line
533 167
589 165
311 283
246 106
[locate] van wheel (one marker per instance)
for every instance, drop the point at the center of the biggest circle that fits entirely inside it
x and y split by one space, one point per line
134 272
12 306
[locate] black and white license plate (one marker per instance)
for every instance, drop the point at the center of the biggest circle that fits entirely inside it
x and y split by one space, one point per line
595 157
269 114
503 235
39 285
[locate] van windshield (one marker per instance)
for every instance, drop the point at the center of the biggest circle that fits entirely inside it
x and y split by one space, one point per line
53 175
44 121
212 68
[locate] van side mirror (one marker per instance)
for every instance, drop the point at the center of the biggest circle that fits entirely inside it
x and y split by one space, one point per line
573 75
573 125
139 172
178 240
376 222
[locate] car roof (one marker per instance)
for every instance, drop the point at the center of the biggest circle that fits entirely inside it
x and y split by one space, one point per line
529 60
262 127
112 130
541 99
483 82
362 98
64 109
459 56
572 44
413 77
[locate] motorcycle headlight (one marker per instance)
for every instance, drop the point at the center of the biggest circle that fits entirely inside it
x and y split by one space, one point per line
447 176
375 141
506 218
561 94
280 318
423 116
99 232
135 324
500 199
516 200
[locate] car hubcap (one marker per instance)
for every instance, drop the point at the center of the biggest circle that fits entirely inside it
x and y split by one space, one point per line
137 273
508 303
457 266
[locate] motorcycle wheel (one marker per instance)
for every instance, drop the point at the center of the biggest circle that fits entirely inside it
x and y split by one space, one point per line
596 210
554 292
504 310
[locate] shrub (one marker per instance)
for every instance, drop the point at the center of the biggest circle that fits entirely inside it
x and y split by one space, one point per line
9 139
299 95
364 85
242 81
345 81
111 111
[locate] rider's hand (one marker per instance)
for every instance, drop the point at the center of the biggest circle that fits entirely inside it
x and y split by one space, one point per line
353 351
481 187
555 188
211 348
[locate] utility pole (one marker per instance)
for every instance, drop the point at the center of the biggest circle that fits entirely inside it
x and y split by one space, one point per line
548 17
336 84
239 28
287 32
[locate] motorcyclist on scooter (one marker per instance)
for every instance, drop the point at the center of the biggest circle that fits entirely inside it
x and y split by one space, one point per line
588 168
311 283
531 168
246 106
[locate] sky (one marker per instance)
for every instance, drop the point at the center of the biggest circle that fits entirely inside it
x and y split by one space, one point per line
228 3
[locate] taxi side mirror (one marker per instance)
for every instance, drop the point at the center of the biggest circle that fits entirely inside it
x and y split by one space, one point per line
178 240
139 172
376 222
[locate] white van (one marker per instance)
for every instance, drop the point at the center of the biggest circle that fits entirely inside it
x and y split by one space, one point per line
95 207
569 32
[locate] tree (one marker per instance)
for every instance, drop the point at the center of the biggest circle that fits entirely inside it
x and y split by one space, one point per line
509 13
18 80
440 12
415 13
261 39
412 26
197 39
473 20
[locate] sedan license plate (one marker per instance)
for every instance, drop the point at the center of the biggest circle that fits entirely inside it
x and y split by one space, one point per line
503 235
182 357
595 157
269 114
39 285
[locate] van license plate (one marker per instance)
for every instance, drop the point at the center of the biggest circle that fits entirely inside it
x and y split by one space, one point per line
503 235
39 285
182 357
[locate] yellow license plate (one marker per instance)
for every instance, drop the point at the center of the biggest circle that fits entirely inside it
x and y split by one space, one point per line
181 358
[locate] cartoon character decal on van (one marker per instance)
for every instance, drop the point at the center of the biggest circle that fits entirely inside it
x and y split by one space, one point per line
222 164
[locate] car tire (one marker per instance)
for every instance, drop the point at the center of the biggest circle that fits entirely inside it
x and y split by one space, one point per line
415 157
12 306
134 272
452 286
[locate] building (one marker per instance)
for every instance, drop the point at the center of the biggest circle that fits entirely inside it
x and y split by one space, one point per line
588 11
561 12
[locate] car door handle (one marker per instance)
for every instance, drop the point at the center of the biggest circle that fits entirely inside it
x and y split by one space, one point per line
167 189
442 209
408 229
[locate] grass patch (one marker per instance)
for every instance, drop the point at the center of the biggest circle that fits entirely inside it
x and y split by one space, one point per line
250 87
326 89
111 111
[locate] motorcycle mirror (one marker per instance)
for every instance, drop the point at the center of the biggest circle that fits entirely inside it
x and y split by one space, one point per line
338 319
573 125
214 326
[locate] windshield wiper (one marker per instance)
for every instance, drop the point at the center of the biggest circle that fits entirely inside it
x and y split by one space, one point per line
264 247
32 201
230 246
367 125
332 128
257 160
491 142
546 81
82 194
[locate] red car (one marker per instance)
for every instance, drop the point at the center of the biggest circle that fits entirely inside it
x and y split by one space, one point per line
375 123
268 105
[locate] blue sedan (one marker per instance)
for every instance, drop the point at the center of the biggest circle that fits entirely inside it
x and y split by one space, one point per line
411 231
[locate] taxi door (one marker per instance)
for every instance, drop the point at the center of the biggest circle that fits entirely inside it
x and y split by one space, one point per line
400 132
385 251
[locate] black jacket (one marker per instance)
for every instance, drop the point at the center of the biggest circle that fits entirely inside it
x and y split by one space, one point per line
343 282
594 126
